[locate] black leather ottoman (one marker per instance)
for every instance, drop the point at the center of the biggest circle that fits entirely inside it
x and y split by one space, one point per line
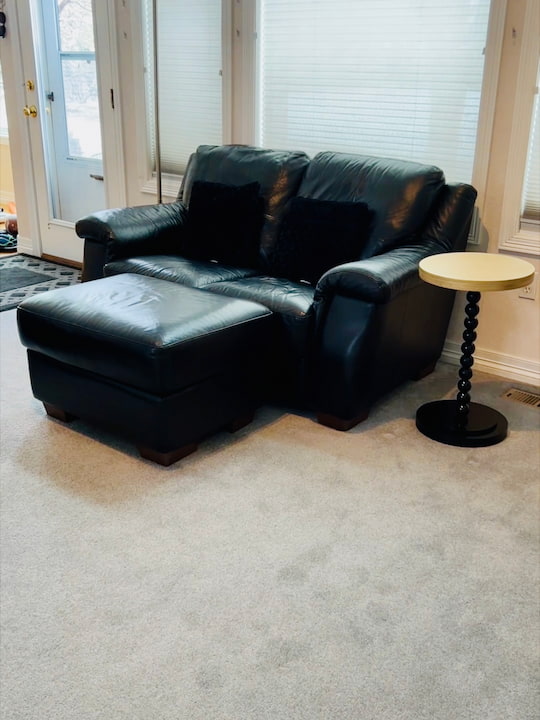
161 364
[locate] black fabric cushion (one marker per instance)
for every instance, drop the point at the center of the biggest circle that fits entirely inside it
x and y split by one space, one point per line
316 235
224 223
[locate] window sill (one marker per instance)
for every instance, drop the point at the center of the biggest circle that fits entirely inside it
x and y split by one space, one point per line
524 243
170 185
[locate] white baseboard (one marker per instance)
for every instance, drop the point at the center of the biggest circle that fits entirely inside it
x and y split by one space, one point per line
508 366
24 245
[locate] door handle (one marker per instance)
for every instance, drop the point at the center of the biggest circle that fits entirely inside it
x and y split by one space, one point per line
30 111
96 177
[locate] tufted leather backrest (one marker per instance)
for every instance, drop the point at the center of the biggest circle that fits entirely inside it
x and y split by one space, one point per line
400 193
279 173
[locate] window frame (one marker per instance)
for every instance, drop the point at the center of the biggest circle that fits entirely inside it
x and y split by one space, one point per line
514 238
4 130
171 182
240 28
486 115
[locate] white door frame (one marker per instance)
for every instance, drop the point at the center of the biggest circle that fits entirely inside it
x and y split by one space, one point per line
108 78
20 64
11 55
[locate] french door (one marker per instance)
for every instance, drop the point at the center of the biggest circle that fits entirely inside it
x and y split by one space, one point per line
71 127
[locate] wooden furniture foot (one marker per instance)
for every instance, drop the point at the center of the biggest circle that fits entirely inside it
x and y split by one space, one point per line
338 423
166 458
58 414
240 422
424 372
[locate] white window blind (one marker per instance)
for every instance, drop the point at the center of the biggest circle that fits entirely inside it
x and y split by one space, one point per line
394 78
189 78
530 213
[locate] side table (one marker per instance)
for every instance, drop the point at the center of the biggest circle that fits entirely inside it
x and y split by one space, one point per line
460 421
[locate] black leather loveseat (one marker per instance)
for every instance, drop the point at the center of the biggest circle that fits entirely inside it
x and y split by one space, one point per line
352 319
272 278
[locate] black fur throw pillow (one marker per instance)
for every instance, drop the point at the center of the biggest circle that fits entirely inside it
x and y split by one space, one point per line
316 235
224 223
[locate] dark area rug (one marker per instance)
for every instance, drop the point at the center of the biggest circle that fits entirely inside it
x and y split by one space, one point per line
12 278
22 276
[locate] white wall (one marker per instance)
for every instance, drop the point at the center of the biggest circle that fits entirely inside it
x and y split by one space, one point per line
7 191
509 326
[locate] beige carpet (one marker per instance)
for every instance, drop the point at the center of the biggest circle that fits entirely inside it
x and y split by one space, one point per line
288 572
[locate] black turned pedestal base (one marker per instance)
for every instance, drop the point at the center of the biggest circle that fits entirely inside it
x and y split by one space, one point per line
460 421
438 421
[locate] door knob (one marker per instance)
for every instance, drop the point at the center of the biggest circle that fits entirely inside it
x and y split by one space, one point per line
30 111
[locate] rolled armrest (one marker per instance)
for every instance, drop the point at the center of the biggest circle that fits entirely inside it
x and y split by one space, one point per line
377 279
141 230
380 278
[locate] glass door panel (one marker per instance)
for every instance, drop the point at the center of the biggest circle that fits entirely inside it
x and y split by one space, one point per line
73 132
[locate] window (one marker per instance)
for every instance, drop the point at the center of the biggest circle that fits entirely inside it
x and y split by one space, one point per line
77 67
189 61
396 78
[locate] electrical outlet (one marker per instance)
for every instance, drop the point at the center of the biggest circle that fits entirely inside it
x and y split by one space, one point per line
529 291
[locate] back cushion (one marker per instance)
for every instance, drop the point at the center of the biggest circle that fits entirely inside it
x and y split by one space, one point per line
399 193
278 172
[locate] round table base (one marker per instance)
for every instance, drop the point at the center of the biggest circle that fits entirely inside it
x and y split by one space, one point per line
485 426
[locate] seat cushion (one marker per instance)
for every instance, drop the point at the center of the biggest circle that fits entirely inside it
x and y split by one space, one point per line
155 336
184 271
291 304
